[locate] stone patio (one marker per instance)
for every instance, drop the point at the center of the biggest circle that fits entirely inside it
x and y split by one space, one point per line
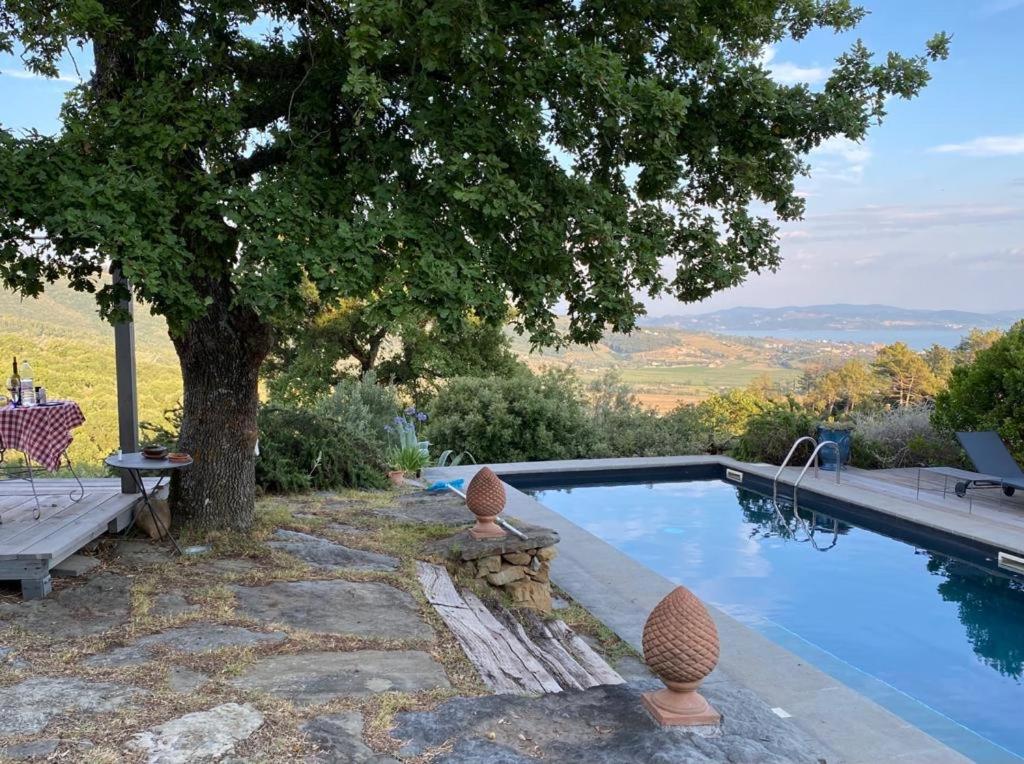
311 642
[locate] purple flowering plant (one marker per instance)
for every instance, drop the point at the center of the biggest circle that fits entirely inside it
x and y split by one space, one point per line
407 455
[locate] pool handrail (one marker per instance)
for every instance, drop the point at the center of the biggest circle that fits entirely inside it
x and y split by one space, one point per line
785 462
814 460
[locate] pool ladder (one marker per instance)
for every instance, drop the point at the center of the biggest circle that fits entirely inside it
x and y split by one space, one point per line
812 460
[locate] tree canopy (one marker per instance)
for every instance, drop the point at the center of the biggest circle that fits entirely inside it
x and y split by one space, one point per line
462 152
448 157
988 392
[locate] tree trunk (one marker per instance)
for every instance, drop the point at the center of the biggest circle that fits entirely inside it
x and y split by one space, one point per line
220 357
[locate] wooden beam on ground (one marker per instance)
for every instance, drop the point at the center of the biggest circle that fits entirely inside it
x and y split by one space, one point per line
499 669
509 661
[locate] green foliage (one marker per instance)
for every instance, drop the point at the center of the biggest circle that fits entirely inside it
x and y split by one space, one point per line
403 150
722 419
355 338
449 458
340 441
988 394
303 449
363 406
621 427
901 437
410 459
843 389
519 418
771 432
907 375
975 341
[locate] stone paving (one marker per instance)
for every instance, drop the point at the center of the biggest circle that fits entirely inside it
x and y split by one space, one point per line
307 644
357 608
313 678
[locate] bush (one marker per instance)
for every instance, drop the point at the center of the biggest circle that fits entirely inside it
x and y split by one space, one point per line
523 417
622 427
303 449
337 442
721 420
771 432
901 437
365 407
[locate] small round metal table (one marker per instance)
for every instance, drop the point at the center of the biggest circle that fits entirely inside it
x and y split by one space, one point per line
135 465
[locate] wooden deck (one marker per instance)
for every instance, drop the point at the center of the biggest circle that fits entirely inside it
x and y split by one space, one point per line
984 515
29 548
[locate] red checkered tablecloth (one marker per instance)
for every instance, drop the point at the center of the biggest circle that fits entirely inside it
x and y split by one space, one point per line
42 432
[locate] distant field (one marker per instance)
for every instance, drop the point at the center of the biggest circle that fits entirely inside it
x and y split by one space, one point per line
665 387
714 377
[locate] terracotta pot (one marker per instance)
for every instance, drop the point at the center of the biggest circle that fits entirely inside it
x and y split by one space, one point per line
485 497
397 477
681 646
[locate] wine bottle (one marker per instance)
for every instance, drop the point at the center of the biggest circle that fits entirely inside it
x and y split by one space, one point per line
15 384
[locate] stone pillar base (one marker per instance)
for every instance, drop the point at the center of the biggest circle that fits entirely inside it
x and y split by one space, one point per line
519 567
671 708
486 528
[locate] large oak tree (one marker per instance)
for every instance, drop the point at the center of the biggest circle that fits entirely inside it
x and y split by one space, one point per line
452 156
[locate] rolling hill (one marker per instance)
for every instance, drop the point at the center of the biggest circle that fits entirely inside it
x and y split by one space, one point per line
846 318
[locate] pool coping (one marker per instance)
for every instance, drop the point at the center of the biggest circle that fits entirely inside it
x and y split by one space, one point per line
981 532
621 592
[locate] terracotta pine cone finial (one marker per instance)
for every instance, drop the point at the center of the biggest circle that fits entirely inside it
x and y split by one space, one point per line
485 497
681 646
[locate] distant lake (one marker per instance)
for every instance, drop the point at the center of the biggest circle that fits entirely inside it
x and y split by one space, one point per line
919 339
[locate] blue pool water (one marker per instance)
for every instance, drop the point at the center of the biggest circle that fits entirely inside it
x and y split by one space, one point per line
944 638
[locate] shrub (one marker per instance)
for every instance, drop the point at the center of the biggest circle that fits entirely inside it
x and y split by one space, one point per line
722 419
901 437
303 449
363 406
339 441
771 432
522 417
622 427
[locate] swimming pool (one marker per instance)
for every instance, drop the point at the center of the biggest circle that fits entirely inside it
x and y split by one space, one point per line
939 640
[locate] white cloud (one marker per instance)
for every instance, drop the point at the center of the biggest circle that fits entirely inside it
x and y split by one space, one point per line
25 74
839 158
986 146
888 221
788 73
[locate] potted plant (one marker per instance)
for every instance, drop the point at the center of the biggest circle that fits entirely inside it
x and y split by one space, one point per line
408 456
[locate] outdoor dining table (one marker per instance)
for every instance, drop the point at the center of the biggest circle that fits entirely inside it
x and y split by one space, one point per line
135 465
41 433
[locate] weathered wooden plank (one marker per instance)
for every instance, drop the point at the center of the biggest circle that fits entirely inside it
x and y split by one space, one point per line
585 654
16 569
499 669
533 669
555 651
438 586
46 486
567 676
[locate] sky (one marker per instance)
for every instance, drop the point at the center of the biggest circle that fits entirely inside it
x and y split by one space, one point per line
926 212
